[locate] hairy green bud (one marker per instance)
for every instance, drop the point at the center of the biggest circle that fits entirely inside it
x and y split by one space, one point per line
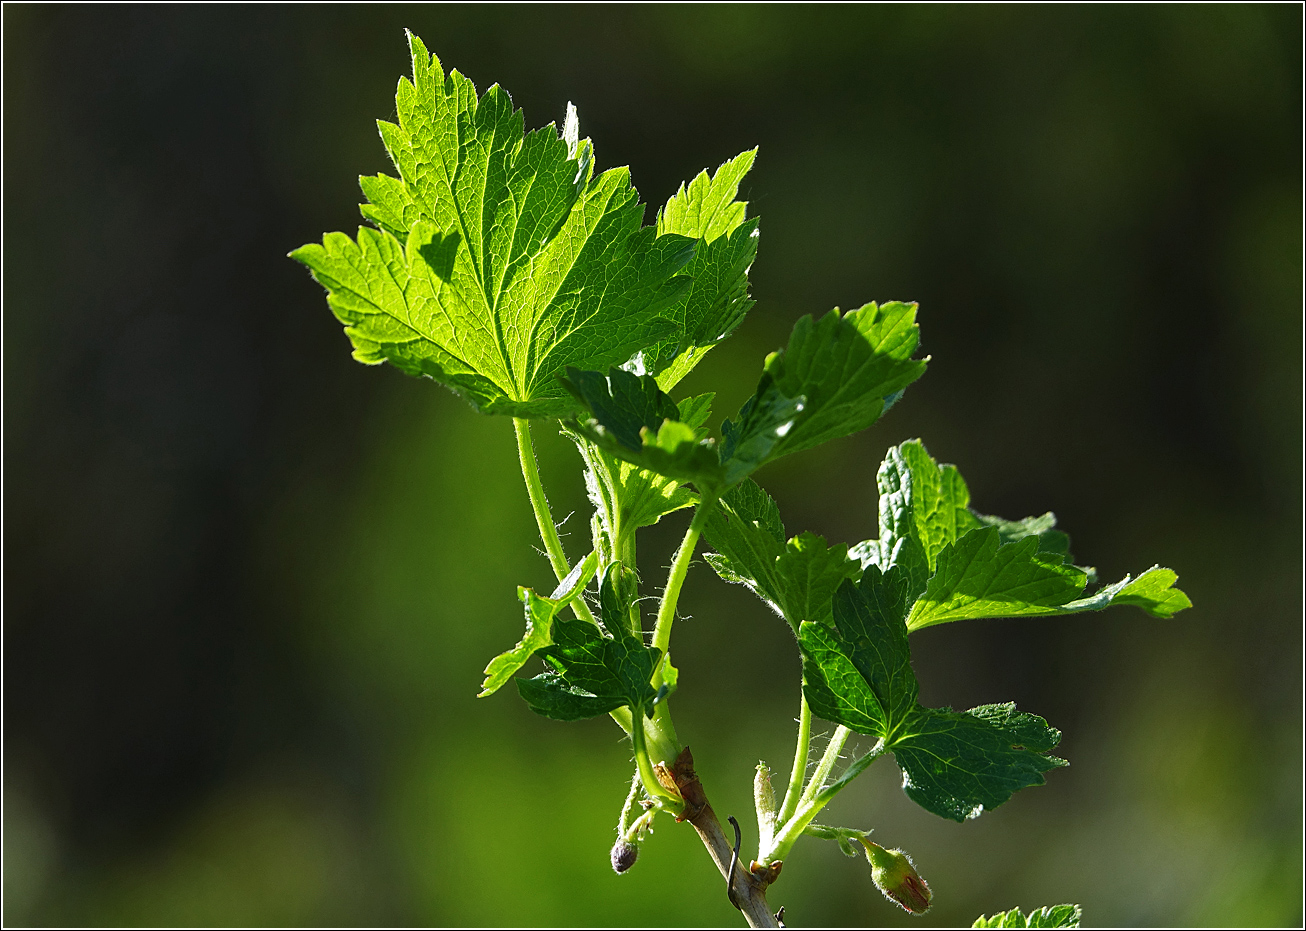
896 877
764 802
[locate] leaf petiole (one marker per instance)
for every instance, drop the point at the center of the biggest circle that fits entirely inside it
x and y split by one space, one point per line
817 797
676 578
652 785
828 759
802 748
543 516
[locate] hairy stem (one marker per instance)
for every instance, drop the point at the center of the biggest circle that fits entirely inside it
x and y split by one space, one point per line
823 797
828 759
795 789
543 516
679 569
814 799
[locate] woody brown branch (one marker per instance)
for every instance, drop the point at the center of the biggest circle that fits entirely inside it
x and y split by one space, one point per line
749 884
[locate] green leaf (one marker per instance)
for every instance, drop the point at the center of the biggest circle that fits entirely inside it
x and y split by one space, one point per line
1049 540
959 764
623 405
540 613
750 441
810 572
969 565
923 507
708 208
858 673
832 380
499 259
1153 591
1049 916
977 577
708 211
626 497
593 672
695 411
631 418
797 579
748 535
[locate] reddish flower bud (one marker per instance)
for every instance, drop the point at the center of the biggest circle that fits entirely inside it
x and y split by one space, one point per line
897 878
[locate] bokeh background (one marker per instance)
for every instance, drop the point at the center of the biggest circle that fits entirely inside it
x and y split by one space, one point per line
249 585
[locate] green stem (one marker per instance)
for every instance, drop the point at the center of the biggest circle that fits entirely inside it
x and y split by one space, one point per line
828 759
660 741
824 797
663 736
803 747
623 824
652 786
813 802
543 516
679 569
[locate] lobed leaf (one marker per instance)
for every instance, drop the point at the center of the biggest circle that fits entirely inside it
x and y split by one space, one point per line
958 764
715 304
631 418
978 577
540 614
963 564
833 379
796 579
593 671
1049 916
858 674
923 507
500 258
748 535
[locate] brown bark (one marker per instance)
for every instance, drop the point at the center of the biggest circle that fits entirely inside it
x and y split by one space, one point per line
750 883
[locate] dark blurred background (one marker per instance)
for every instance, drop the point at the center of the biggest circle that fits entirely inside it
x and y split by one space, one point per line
250 585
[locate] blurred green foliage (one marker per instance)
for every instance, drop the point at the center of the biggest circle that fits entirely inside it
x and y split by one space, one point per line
1099 210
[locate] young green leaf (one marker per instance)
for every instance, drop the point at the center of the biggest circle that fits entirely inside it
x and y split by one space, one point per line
595 672
796 579
499 259
626 497
923 507
748 535
979 578
1009 531
708 211
601 674
969 565
858 674
958 764
810 572
631 418
540 614
751 440
830 381
1049 916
